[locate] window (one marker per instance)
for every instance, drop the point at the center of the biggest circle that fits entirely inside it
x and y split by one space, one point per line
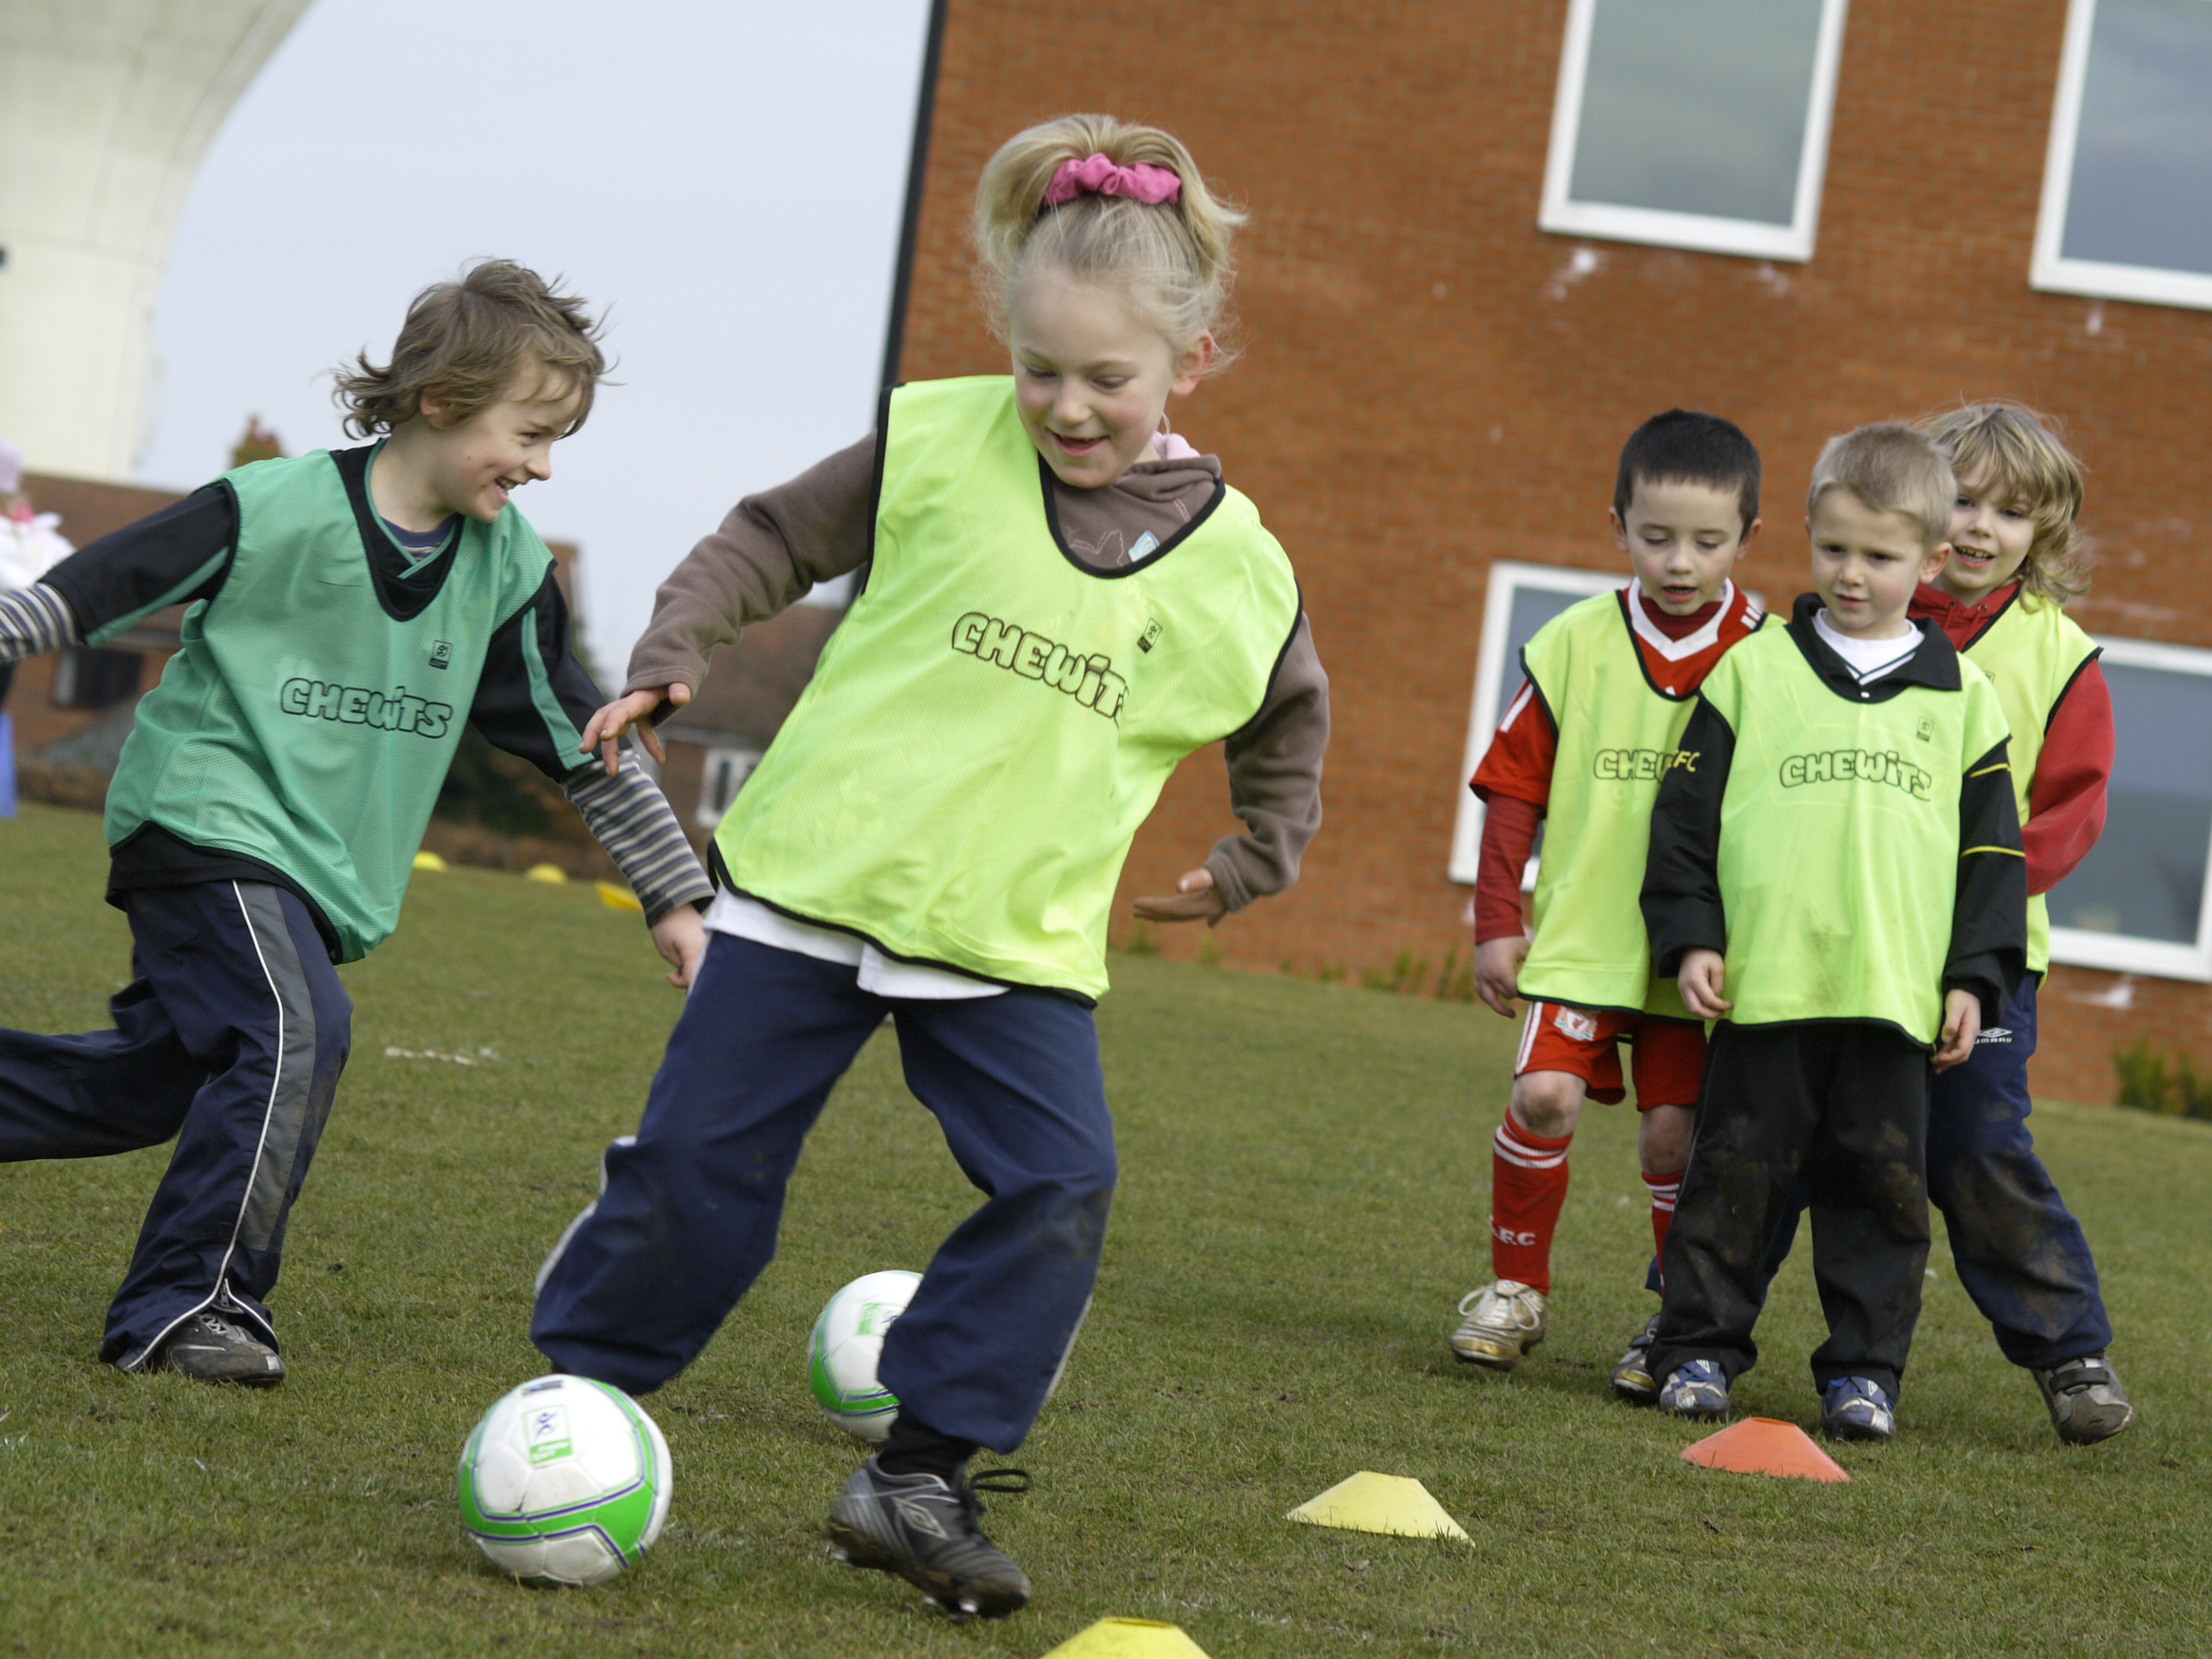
1523 597
721 777
1700 124
2136 904
2127 190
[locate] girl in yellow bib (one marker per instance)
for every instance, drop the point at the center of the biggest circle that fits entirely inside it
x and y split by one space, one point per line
1061 601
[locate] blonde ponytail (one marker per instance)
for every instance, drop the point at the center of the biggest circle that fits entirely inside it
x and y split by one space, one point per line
1172 257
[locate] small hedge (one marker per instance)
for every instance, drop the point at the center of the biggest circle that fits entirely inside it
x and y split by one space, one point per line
2152 1081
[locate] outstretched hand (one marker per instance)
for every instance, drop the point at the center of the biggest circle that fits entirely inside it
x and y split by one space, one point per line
1962 1028
1196 900
604 731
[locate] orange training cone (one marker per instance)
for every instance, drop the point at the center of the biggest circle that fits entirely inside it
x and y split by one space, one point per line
1764 1445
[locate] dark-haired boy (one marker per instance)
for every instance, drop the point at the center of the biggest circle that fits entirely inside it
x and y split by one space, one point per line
346 614
1839 854
1585 744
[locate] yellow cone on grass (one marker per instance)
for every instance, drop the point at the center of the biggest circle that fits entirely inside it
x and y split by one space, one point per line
1129 1638
1381 1503
618 898
550 872
429 861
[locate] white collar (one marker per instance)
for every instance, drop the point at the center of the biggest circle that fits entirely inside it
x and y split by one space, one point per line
1675 650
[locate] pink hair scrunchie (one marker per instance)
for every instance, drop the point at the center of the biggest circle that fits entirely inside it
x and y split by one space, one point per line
1095 175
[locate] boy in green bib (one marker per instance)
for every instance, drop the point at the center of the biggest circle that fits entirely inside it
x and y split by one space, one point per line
1836 877
1063 600
346 612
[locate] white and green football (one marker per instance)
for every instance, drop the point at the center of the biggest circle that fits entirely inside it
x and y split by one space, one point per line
848 1340
565 1481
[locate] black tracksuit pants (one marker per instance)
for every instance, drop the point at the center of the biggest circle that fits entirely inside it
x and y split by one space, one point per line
1844 1103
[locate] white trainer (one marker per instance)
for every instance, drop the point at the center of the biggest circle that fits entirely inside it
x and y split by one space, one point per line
1499 1323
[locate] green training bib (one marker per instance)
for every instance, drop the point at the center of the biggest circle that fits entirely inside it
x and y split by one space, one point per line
992 721
1618 736
303 725
1840 838
2032 654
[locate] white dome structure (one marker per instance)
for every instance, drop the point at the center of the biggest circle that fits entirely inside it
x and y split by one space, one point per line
106 107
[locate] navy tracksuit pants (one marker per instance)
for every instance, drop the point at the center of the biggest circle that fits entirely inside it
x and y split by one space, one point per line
2019 1251
688 1218
231 1036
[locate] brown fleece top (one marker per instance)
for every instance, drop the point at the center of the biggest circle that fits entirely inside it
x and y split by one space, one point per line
775 545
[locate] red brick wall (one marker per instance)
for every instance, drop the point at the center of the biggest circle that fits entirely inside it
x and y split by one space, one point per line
1425 391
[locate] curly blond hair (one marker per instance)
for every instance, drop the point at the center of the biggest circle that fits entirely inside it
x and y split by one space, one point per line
2019 448
1173 258
465 343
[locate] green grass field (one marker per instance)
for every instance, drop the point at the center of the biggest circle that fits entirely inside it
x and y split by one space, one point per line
1305 1172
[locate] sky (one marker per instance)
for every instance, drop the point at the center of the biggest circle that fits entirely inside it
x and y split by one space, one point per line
725 178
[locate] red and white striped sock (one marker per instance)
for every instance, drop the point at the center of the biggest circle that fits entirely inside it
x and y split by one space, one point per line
1664 1190
1528 1185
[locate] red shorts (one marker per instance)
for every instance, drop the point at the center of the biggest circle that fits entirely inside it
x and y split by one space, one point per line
1667 1056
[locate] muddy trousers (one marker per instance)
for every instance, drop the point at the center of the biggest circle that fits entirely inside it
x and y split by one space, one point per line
2018 1251
231 1036
688 1217
1844 1105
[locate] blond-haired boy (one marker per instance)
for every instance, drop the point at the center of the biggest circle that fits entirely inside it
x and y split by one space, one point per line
1838 853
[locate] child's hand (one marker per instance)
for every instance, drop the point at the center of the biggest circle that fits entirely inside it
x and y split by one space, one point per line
681 936
1195 900
1498 971
605 729
1703 976
1962 1025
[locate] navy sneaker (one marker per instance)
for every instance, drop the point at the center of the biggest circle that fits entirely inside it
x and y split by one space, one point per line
1699 1388
1856 1409
1631 1377
925 1529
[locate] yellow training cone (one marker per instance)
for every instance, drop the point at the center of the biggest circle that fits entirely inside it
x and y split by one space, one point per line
429 861
618 898
552 872
1381 1503
1129 1638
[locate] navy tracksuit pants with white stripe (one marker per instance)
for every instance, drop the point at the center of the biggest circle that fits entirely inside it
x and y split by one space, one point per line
230 1036
687 1220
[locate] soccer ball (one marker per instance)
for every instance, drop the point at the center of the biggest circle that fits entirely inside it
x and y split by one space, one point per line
565 1481
848 1340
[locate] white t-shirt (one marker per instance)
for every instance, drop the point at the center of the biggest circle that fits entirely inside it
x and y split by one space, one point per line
1867 660
744 918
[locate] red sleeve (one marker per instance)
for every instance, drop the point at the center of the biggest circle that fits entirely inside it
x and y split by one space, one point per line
1522 755
1509 836
2066 800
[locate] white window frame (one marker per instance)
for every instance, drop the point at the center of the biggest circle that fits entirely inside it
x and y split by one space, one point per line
2050 270
1703 232
709 814
1505 579
2124 953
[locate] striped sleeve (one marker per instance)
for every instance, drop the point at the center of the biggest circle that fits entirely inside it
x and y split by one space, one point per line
628 816
34 619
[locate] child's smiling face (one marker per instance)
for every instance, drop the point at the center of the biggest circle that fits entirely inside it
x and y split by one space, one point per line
1682 538
1091 376
1992 527
476 464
